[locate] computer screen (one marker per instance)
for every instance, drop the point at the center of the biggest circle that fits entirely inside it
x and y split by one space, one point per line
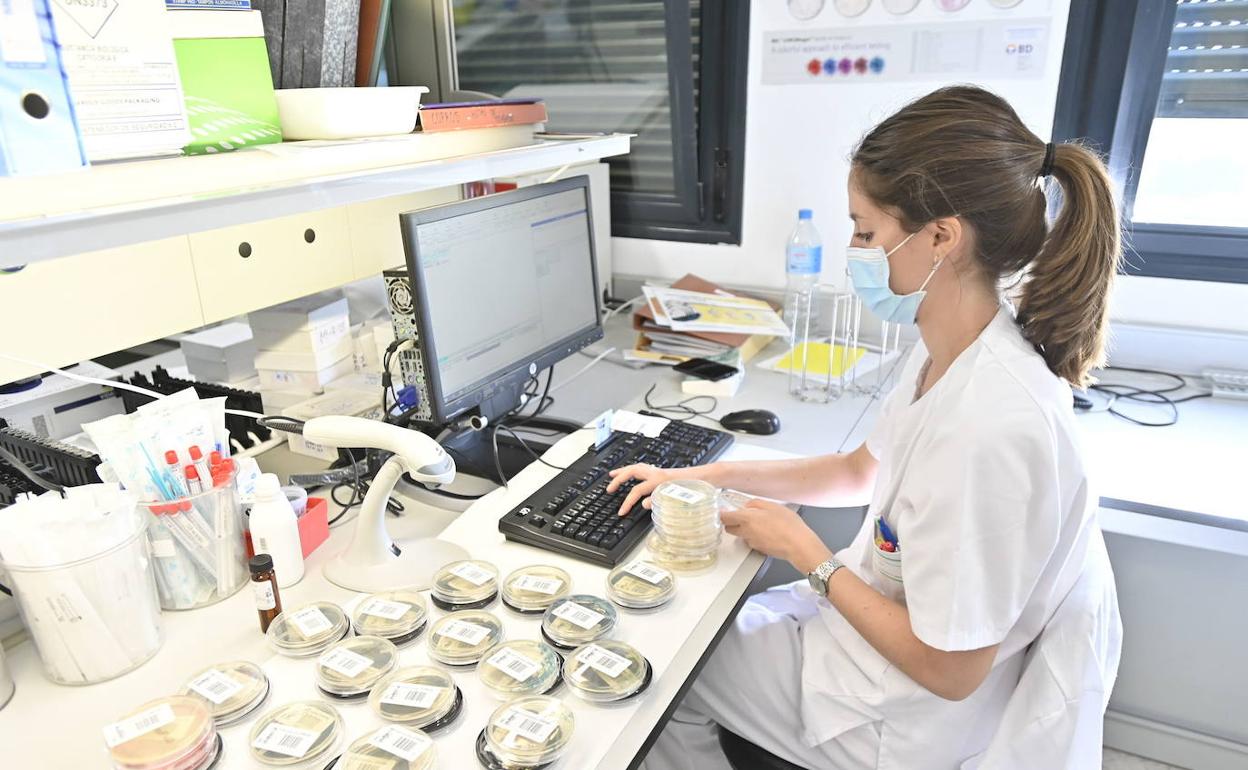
501 283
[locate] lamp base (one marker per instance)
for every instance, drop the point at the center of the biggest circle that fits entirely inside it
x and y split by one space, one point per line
419 559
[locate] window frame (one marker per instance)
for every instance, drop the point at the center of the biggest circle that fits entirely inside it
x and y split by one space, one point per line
1107 96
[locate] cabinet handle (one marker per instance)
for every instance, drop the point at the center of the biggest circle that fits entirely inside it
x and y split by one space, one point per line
309 235
244 249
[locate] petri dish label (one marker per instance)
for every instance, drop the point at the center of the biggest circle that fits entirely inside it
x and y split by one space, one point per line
513 664
140 724
581 616
384 609
468 633
541 585
417 696
215 686
472 573
689 496
401 742
282 739
345 662
525 724
648 572
311 621
603 660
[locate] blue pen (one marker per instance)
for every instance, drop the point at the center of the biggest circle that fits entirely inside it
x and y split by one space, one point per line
887 533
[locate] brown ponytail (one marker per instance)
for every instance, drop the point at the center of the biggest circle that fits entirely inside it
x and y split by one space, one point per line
963 151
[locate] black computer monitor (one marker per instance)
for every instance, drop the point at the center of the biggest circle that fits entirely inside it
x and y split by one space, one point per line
504 286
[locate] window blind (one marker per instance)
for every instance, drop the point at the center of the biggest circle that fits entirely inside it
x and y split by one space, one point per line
1206 73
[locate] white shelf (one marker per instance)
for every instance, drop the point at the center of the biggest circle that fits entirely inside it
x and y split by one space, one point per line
120 204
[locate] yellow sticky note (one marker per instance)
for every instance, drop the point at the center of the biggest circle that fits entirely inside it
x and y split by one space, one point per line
820 357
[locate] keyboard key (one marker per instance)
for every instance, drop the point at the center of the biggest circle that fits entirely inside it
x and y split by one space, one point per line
609 541
594 539
571 529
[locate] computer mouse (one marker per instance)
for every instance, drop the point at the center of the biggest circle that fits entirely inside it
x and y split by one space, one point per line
757 421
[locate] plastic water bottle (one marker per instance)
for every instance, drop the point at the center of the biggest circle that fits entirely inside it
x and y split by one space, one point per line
803 260
275 530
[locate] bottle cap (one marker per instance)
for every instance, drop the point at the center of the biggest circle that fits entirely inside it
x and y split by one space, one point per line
192 473
171 457
196 453
803 213
268 487
261 562
214 457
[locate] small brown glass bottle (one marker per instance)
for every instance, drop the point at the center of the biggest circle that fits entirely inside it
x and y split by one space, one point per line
264 585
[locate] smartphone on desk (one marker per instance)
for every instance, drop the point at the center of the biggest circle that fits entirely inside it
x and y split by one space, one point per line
705 369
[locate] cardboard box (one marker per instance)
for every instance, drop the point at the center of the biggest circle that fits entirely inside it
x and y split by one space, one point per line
344 402
224 353
57 406
307 361
304 380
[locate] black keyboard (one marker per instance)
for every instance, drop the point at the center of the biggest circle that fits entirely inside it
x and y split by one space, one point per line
573 514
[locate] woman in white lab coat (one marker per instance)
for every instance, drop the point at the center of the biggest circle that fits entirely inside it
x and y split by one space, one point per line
973 470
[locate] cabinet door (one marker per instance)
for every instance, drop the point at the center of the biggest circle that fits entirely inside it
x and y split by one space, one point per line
252 266
62 311
376 240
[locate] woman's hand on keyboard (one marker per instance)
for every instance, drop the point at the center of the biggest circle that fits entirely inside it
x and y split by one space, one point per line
644 479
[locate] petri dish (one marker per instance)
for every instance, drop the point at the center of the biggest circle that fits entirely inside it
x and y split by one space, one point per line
392 747
640 585
608 671
233 691
349 669
578 619
304 734
685 499
308 630
532 589
464 585
679 561
173 732
526 732
461 638
520 667
421 697
399 615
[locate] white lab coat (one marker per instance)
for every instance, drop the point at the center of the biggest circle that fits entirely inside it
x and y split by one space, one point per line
983 482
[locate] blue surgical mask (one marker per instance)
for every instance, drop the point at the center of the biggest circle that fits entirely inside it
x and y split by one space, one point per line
868 269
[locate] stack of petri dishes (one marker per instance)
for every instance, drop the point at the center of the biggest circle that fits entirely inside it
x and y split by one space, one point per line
687 529
174 733
390 748
520 667
640 585
419 697
462 638
607 672
578 619
398 616
349 669
526 733
233 691
531 590
298 736
464 585
308 630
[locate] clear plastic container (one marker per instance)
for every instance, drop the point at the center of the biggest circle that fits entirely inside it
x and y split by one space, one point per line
520 667
687 564
687 529
349 669
640 585
527 732
531 590
308 630
233 691
608 671
399 615
298 736
464 585
174 733
392 747
461 638
418 696
578 619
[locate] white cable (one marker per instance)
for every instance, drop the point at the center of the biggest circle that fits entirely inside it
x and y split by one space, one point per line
622 307
584 369
558 173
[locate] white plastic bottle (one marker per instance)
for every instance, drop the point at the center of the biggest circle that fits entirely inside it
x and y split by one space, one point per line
275 530
803 258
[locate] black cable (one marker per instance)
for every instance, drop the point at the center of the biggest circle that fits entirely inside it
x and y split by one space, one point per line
681 407
542 402
356 496
282 423
28 472
498 465
1141 395
530 450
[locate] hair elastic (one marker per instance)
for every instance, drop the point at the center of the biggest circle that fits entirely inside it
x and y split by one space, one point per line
1046 167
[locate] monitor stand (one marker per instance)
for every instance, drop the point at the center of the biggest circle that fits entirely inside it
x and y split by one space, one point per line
473 453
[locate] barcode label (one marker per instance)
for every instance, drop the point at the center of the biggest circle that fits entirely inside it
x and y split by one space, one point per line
345 662
603 660
581 616
139 724
525 724
513 664
384 609
684 494
215 686
541 585
401 742
472 573
417 696
648 572
311 621
468 633
288 741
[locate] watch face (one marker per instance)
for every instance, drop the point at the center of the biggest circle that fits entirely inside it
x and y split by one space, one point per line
817 584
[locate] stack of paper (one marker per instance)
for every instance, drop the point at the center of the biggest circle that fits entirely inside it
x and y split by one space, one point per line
697 319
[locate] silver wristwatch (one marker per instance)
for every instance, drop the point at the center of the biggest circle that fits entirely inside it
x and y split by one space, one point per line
823 573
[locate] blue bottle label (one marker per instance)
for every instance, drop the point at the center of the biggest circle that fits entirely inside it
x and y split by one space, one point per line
805 259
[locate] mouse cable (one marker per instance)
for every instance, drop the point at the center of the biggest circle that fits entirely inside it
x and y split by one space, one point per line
681 407
1116 392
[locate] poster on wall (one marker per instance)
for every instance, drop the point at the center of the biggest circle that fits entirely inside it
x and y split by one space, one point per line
1014 49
